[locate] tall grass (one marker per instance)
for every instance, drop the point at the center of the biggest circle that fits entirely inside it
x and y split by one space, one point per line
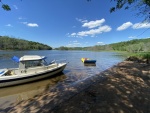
143 55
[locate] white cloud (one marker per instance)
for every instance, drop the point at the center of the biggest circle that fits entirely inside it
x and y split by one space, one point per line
124 26
15 7
93 24
132 37
73 34
134 26
30 24
141 25
81 20
21 18
9 25
94 28
100 43
93 32
74 44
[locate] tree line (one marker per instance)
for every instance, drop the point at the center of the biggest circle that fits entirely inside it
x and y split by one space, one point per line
133 46
137 45
8 43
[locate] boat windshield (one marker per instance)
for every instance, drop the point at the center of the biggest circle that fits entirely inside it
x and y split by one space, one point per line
34 63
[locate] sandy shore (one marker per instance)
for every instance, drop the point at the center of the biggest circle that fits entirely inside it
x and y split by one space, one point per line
124 88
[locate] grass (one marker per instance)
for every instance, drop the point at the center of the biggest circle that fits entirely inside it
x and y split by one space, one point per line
142 55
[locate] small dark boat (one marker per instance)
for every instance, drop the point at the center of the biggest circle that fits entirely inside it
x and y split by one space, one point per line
87 60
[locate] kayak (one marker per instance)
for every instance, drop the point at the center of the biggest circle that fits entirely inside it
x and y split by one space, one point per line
88 60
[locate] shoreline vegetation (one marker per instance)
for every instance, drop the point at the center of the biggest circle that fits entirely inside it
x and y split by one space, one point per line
137 48
132 46
123 88
8 43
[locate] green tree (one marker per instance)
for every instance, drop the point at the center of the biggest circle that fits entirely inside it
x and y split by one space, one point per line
7 43
5 6
143 6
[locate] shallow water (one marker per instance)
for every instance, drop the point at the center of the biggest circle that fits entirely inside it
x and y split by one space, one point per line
74 72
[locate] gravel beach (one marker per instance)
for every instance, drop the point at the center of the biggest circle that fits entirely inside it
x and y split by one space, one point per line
124 88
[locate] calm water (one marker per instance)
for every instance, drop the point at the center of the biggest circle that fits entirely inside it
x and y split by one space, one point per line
74 72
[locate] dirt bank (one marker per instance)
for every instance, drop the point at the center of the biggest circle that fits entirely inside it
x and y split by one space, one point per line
124 88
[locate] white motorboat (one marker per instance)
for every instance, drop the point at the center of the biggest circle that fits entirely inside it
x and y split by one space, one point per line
31 68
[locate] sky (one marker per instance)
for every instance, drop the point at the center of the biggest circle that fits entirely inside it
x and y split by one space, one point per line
71 23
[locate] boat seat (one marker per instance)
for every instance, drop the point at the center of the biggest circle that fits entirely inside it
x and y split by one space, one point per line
10 72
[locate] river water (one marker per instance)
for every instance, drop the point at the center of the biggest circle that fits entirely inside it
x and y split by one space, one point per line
74 72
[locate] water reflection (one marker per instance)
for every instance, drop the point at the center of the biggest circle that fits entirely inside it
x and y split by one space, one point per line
74 72
89 64
20 92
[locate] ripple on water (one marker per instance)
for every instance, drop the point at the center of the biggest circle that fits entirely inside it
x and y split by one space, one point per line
74 72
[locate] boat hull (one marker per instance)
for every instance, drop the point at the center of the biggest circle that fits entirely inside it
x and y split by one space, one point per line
35 77
90 61
86 60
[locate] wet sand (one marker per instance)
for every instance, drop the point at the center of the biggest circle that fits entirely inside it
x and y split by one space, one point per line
124 88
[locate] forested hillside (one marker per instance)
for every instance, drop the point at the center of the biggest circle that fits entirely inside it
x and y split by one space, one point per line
136 45
7 43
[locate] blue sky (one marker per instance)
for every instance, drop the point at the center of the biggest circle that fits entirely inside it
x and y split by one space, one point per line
71 23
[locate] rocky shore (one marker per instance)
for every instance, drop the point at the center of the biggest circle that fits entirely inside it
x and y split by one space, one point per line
124 88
